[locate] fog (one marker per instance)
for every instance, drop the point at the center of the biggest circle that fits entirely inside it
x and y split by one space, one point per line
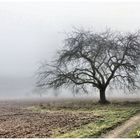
32 31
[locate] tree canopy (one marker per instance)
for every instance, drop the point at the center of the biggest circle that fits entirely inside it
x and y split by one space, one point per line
96 59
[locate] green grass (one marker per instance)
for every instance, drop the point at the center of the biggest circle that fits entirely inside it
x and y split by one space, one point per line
95 129
112 115
135 133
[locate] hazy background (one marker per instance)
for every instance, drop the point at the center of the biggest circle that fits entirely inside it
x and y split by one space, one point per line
31 31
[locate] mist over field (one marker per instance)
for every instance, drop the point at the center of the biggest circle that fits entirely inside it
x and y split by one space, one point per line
31 32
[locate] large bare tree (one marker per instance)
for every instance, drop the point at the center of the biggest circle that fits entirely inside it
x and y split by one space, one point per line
93 59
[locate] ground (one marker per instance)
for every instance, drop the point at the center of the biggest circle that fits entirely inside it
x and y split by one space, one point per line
129 128
67 118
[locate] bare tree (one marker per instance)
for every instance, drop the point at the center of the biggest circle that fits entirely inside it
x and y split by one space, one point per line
92 59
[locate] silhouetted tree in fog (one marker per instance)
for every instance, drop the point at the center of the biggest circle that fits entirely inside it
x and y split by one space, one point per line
93 59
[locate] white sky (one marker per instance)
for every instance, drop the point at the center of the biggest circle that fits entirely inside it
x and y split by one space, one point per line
31 31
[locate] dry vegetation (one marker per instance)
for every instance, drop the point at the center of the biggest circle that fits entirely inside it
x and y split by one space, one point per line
135 133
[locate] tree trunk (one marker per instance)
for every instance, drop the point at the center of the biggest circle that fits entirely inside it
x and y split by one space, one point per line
103 97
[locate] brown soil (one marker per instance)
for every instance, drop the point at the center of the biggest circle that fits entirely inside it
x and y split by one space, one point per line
17 122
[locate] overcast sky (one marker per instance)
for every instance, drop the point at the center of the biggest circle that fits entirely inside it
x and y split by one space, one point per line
31 31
